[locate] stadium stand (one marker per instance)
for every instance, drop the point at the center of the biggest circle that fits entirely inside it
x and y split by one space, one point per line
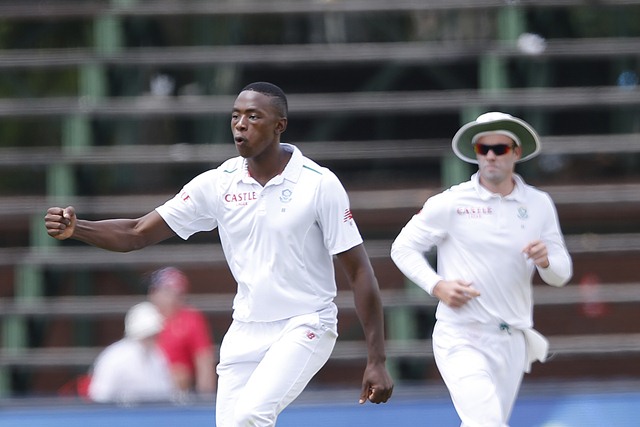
112 105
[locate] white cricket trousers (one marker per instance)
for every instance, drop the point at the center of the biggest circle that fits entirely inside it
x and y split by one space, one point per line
265 366
482 366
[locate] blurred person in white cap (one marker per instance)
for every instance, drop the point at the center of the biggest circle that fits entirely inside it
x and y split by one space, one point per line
134 369
491 233
185 338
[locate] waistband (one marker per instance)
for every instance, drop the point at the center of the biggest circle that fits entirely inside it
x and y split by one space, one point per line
489 327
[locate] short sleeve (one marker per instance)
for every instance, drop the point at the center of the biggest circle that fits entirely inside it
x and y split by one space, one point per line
193 209
335 217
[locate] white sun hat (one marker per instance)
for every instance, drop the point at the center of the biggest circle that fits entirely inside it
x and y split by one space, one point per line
142 320
495 122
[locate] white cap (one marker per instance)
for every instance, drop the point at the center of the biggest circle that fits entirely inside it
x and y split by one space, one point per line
142 320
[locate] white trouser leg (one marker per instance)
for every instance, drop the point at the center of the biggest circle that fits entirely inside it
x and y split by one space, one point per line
482 368
265 366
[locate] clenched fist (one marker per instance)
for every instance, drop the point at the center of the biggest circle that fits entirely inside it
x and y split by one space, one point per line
60 223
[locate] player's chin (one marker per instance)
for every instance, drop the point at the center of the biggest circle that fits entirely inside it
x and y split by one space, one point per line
243 149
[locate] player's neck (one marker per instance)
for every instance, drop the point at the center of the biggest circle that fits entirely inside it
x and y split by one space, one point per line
503 187
268 165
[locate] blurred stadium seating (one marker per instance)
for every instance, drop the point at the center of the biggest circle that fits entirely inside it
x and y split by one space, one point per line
112 106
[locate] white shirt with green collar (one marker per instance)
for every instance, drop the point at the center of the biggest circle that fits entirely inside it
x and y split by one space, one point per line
479 238
279 240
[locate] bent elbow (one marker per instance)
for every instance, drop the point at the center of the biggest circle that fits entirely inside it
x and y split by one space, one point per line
558 279
131 244
397 251
136 245
394 252
565 280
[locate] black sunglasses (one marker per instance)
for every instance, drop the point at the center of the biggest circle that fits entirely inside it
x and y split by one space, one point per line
498 149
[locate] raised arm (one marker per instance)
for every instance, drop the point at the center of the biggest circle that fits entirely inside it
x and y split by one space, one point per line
119 235
377 385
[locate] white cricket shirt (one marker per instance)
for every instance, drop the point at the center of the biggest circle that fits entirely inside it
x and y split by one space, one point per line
279 240
480 237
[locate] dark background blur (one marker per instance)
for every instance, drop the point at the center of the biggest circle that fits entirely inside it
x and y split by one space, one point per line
113 105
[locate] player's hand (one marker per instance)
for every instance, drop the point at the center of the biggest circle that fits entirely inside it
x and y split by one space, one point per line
60 223
377 385
537 252
455 293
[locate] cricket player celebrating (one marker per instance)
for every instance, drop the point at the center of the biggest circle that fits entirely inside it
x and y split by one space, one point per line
281 219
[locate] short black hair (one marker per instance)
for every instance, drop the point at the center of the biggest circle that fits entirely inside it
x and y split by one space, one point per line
273 91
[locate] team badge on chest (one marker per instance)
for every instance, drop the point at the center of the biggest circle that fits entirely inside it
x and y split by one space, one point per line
522 212
285 196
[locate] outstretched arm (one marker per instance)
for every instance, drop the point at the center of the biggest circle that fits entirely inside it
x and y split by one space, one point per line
377 384
119 235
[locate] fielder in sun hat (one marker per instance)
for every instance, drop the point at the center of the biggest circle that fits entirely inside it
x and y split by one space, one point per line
496 122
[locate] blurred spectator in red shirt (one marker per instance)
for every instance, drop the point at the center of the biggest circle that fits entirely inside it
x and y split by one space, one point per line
185 338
